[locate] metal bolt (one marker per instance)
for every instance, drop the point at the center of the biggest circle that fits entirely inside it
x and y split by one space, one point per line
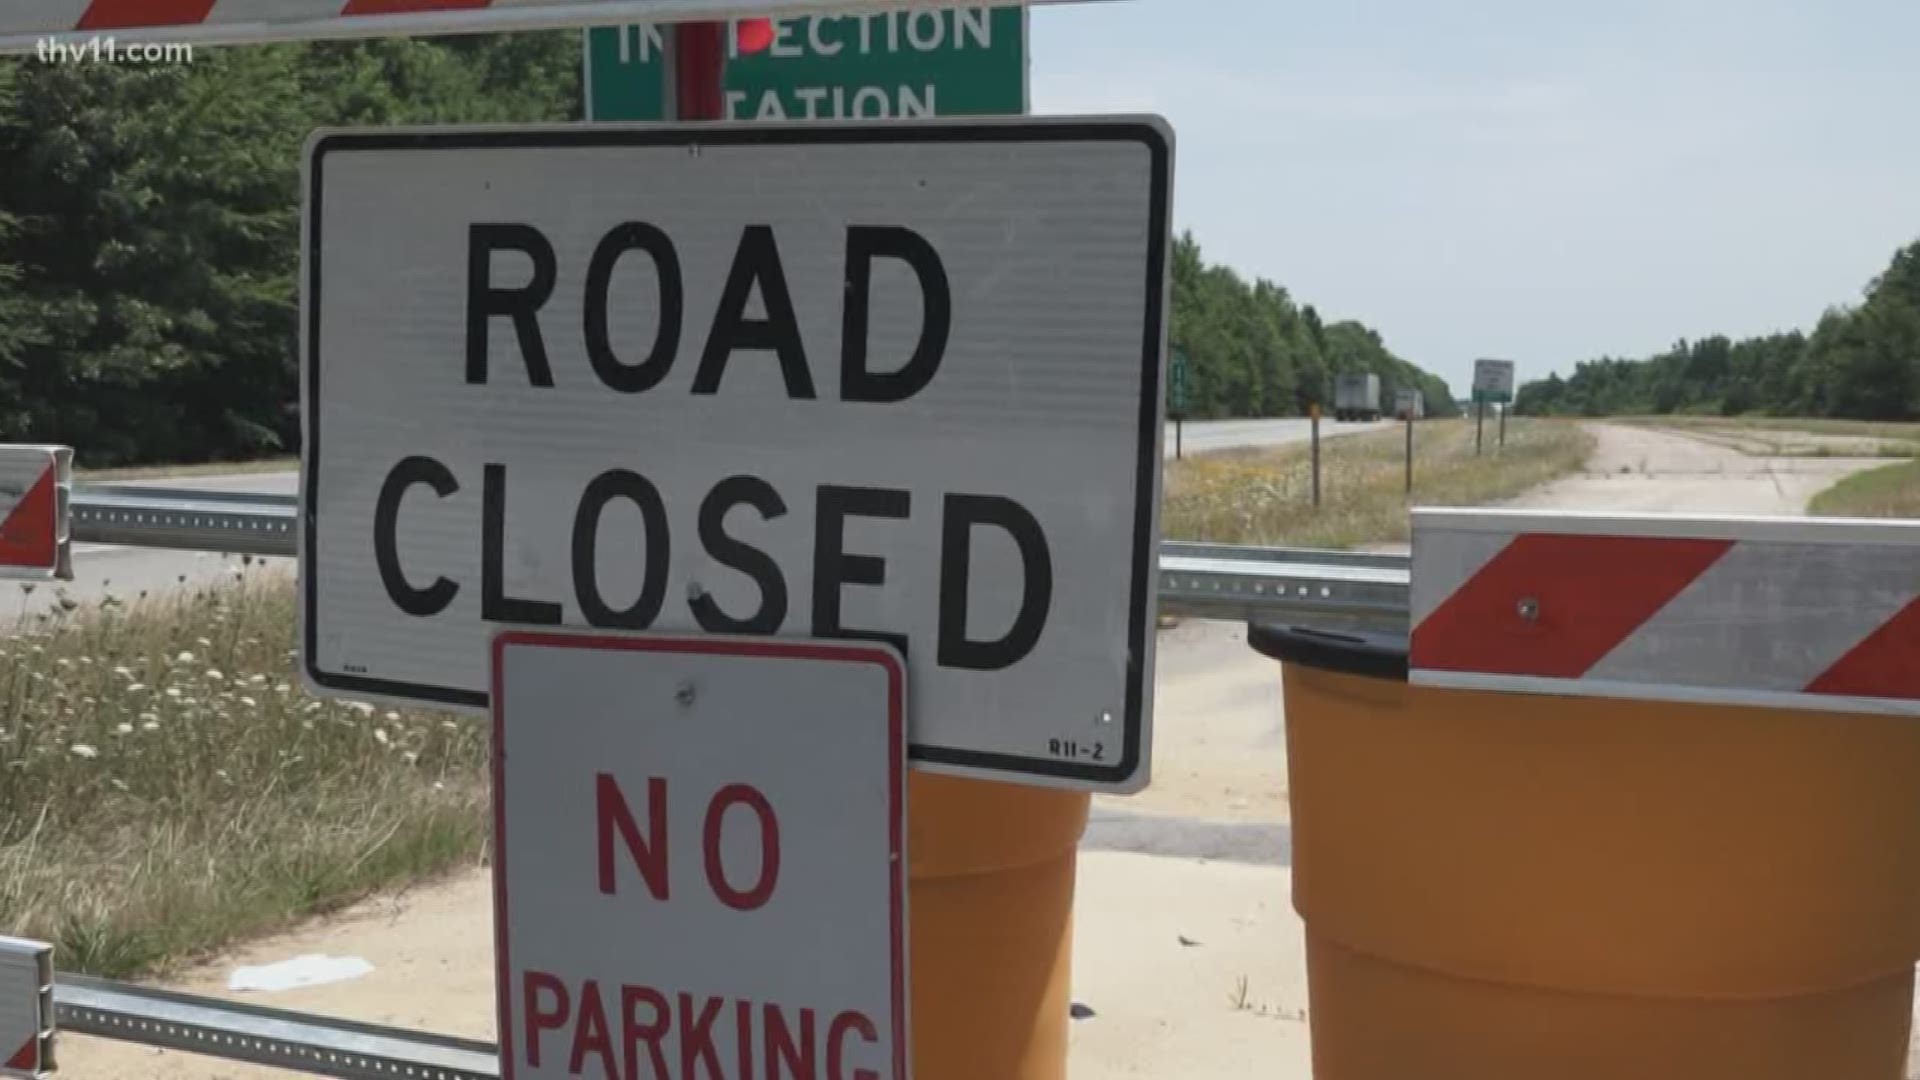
1529 609
685 694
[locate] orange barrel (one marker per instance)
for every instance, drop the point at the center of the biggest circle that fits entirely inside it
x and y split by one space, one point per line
990 926
1499 886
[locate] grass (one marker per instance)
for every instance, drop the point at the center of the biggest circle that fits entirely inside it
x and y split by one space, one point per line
168 790
211 468
1890 491
1266 496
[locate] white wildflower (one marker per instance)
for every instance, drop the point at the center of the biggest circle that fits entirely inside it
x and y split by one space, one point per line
124 728
412 758
380 735
393 718
203 643
134 688
173 691
123 671
283 688
312 706
151 725
83 750
214 674
184 658
248 702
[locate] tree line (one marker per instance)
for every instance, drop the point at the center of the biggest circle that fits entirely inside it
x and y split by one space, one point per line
149 243
1859 362
1255 352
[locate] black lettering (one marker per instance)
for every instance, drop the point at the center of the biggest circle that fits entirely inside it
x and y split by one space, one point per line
646 374
433 599
495 605
610 485
963 512
485 301
749 560
864 244
757 261
834 567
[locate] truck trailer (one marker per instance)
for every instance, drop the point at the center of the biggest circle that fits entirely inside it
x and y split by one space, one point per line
1356 397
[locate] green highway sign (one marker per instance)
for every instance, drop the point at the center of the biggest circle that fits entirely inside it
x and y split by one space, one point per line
965 61
1178 383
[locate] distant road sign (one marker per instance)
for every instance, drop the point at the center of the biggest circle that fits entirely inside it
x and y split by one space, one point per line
832 379
1179 377
1493 381
700 857
964 61
25 24
36 484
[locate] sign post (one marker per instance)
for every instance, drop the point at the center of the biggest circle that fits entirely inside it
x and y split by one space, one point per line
958 61
1178 393
700 856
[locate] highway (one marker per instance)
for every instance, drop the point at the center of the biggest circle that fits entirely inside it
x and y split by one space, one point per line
1202 436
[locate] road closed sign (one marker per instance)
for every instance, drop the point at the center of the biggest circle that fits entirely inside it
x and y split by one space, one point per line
863 380
700 871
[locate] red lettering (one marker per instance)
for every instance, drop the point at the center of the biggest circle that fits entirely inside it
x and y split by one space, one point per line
633 1032
837 1048
762 891
783 1057
696 1037
590 1033
649 856
743 1028
541 1019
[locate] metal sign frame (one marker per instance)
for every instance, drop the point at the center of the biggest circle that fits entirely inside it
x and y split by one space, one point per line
675 709
1120 765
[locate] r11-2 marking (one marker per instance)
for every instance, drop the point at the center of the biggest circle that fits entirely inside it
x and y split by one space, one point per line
1073 748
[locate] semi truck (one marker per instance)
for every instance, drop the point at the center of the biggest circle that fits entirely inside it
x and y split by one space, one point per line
1409 404
1356 397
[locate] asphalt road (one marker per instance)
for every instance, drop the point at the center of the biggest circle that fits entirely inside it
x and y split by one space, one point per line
1201 436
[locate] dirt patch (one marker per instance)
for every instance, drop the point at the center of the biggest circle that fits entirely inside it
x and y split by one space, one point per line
1640 470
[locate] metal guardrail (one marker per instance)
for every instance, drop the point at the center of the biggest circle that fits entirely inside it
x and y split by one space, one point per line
315 1045
1204 581
1212 581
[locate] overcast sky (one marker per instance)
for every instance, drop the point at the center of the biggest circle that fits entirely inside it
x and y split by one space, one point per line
1528 179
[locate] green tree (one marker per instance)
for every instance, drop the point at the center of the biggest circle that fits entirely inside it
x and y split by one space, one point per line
1858 362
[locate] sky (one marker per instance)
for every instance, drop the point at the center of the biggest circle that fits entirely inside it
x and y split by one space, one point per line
1533 180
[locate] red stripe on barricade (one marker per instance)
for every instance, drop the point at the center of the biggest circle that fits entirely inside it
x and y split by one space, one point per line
128 14
28 536
404 7
1552 605
1885 664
